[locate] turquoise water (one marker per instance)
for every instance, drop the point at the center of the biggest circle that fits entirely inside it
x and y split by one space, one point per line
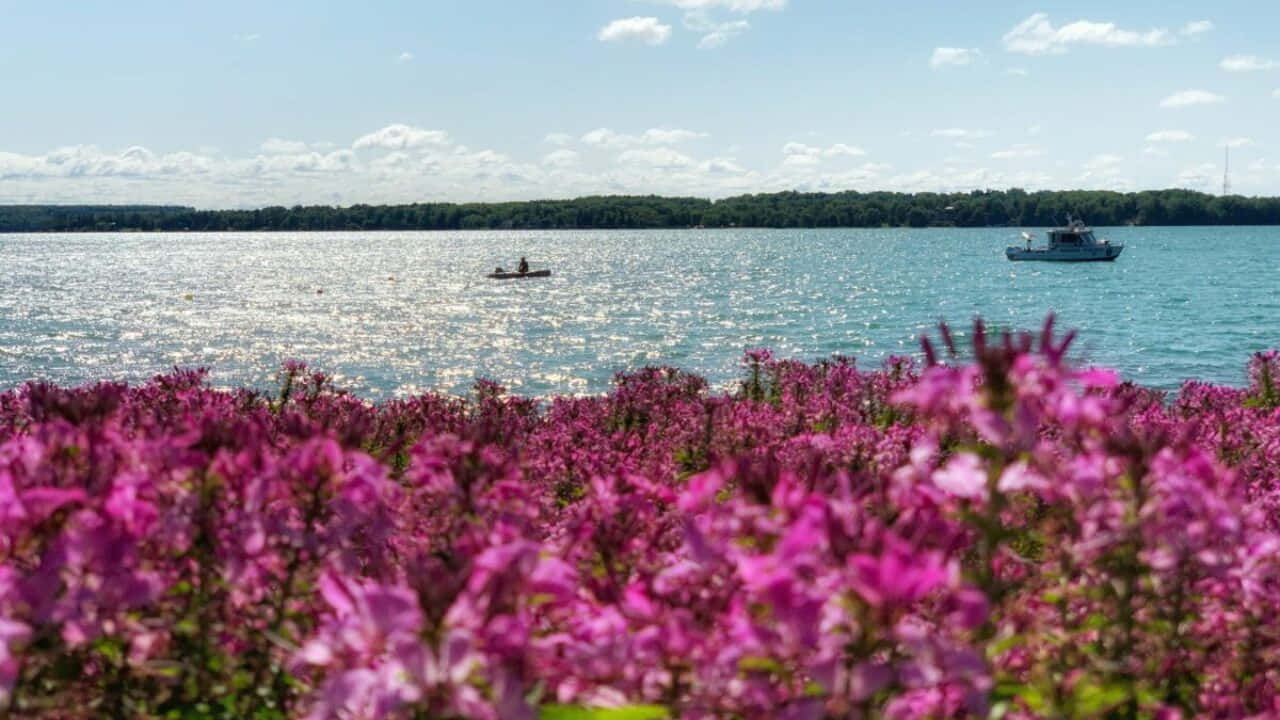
394 313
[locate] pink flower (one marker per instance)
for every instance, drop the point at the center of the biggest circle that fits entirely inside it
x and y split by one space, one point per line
898 576
44 501
963 476
1020 476
12 633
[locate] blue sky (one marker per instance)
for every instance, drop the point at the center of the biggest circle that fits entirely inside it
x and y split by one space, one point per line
239 104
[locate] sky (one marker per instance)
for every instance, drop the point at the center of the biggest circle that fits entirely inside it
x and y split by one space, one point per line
246 104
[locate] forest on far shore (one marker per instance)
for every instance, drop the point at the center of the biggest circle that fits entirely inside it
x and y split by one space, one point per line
979 208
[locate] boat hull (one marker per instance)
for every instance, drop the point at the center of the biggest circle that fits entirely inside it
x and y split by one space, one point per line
519 275
1105 254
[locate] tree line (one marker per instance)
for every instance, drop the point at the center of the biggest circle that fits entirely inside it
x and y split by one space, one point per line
979 208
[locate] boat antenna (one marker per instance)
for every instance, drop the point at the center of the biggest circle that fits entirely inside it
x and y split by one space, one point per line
1226 170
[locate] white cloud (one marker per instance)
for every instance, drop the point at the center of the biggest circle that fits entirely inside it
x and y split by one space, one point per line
1017 71
721 36
1103 160
474 160
738 6
1037 36
1170 136
960 179
714 33
301 163
721 166
401 137
799 160
406 164
842 150
722 33
557 138
246 37
88 161
1033 130
404 57
1186 98
943 56
1105 171
560 158
699 17
276 146
391 166
658 158
1196 27
646 30
667 136
802 155
1236 142
439 173
1018 152
394 161
960 133
14 165
1160 152
604 137
1247 63
1202 176
795 148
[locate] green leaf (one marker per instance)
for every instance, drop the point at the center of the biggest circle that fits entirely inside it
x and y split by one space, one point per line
630 712
109 648
540 599
759 664
1097 621
1093 698
1028 694
1003 645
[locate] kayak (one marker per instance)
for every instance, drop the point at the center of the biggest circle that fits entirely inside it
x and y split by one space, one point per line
514 275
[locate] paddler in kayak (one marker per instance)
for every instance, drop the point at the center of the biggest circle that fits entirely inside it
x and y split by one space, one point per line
524 266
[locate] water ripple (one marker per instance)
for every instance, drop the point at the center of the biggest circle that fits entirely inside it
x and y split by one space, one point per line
395 313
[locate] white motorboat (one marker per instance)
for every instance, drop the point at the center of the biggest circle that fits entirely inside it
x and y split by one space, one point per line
1073 243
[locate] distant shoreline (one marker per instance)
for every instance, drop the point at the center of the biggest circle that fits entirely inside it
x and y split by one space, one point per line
274 231
977 209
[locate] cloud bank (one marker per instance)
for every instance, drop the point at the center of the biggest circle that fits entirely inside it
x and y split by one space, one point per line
405 163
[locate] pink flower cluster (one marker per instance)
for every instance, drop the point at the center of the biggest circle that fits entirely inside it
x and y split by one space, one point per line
1003 535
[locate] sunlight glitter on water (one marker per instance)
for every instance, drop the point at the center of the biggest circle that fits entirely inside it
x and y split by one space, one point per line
1181 302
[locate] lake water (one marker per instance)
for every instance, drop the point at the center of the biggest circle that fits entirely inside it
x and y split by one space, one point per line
395 313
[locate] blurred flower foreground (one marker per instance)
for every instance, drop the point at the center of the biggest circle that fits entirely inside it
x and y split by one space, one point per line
992 534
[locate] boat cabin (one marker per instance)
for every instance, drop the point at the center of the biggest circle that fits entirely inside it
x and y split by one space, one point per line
1075 234
1068 237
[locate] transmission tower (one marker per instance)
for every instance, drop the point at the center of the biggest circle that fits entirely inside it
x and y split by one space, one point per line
1226 171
